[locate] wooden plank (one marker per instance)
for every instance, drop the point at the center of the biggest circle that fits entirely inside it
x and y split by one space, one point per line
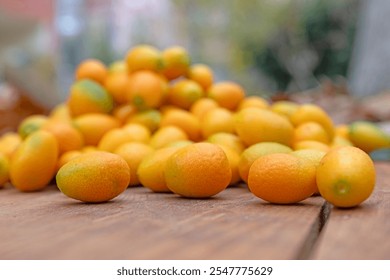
140 224
362 232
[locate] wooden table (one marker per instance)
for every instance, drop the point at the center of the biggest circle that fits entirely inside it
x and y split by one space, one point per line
140 224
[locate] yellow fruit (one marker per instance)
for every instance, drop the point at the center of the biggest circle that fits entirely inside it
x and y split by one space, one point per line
346 176
250 154
255 125
184 120
34 163
94 126
67 136
199 170
176 62
66 157
61 113
124 112
9 142
339 141
185 93
118 136
146 90
234 158
282 178
94 177
202 106
310 131
140 132
202 74
179 144
166 135
118 66
149 118
313 113
133 153
313 155
217 120
91 69
144 57
227 94
116 85
4 170
31 124
368 136
342 130
227 139
87 96
151 169
253 101
311 144
284 108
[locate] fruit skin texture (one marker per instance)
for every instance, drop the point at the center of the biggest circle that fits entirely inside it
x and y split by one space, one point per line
282 178
199 170
34 163
346 176
94 177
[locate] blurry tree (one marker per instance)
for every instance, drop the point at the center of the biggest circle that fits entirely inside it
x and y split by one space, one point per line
284 45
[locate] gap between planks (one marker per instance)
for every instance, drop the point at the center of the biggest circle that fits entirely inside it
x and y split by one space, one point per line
307 247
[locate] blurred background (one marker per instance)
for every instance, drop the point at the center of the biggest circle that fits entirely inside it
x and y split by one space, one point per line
334 53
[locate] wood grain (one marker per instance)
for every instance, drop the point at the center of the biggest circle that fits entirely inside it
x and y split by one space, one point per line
362 232
140 224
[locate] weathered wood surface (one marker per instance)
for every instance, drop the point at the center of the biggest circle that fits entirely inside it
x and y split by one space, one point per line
362 232
144 225
140 224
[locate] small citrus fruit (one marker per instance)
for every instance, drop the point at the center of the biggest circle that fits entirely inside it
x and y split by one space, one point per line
94 126
9 142
68 137
282 178
30 124
176 62
199 170
184 120
227 94
346 176
217 120
202 74
94 177
87 96
184 93
34 163
146 90
368 136
253 101
166 135
254 125
313 113
92 69
250 154
133 153
144 57
151 169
